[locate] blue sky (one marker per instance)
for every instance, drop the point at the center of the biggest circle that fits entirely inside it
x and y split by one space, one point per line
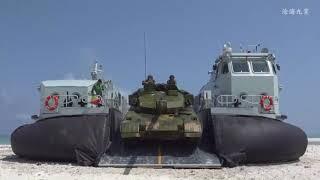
41 40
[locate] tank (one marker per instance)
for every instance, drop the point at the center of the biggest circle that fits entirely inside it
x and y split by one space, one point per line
161 129
162 112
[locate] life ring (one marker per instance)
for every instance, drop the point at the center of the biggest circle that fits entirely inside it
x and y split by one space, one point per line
264 105
55 104
96 100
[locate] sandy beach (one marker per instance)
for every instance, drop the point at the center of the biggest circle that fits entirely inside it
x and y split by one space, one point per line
12 167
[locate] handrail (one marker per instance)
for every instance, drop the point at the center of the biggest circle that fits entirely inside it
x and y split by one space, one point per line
227 97
250 99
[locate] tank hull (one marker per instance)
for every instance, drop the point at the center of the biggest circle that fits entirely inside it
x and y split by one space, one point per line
82 138
161 127
248 139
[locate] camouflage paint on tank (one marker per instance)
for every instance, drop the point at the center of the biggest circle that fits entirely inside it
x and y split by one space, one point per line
161 111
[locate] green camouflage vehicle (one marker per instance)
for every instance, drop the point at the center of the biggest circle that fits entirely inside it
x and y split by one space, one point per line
162 112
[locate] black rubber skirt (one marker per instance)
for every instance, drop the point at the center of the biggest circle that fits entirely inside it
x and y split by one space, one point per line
82 139
246 139
234 139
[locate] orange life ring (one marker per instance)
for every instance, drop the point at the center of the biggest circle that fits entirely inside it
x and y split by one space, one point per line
266 106
55 104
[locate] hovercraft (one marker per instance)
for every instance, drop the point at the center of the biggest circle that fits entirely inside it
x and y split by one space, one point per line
239 109
75 121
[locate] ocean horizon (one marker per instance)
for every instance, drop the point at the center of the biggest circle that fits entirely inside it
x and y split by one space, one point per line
4 139
313 135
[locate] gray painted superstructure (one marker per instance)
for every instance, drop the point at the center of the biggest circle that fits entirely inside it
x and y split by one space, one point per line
74 96
239 81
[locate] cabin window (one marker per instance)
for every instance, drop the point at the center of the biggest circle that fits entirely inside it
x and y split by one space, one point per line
260 66
240 66
225 68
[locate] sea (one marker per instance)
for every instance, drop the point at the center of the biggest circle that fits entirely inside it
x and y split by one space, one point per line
313 135
4 139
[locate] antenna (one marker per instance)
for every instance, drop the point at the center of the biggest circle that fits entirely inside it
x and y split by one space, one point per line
145 55
256 47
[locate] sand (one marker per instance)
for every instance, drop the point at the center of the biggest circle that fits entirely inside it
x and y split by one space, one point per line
12 167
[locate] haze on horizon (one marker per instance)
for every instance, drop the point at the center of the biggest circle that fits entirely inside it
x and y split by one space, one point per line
43 40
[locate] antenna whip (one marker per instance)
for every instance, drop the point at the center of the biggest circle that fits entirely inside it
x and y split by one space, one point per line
145 55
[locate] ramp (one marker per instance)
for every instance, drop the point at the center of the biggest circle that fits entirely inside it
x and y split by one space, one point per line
159 154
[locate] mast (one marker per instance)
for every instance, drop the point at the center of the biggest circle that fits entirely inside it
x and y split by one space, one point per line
96 72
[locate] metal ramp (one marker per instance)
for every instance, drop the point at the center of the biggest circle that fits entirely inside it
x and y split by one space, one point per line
158 154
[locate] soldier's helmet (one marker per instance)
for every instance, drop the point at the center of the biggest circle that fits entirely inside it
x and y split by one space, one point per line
171 77
150 77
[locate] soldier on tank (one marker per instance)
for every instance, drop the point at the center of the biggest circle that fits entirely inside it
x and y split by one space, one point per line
171 83
149 84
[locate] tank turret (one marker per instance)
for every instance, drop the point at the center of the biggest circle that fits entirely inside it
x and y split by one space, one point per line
160 111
